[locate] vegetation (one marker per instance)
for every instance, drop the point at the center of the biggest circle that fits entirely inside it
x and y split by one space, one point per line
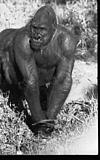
76 115
16 138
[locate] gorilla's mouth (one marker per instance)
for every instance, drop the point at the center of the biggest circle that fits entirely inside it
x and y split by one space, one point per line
37 40
36 43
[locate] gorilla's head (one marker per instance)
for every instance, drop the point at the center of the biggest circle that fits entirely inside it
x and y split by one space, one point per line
43 26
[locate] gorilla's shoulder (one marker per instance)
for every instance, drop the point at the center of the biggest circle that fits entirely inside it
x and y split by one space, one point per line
68 38
8 36
7 32
73 31
62 29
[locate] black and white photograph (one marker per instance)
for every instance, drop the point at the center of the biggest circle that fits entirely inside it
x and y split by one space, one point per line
48 77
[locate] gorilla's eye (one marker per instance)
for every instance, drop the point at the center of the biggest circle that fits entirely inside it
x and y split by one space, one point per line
35 27
43 28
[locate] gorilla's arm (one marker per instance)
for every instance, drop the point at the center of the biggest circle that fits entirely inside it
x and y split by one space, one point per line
63 79
27 67
61 86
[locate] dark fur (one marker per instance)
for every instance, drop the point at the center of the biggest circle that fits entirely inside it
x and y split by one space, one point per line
25 68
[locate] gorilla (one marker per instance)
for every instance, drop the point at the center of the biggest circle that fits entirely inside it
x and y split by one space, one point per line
36 63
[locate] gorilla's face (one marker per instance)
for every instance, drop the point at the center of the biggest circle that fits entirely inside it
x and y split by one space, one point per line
43 26
41 35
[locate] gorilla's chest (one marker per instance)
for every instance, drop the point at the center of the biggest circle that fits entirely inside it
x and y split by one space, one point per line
46 61
46 58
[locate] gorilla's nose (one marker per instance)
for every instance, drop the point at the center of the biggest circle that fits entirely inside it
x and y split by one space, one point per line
37 36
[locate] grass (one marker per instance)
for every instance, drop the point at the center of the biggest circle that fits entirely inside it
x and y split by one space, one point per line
72 121
77 118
